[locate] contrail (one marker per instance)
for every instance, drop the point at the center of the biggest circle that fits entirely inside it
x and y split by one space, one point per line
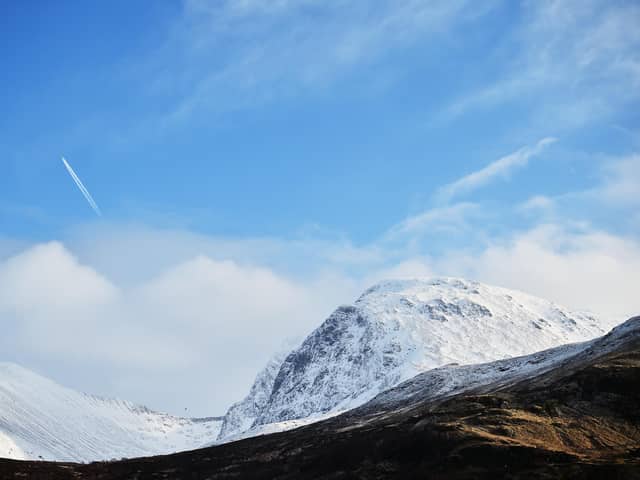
82 188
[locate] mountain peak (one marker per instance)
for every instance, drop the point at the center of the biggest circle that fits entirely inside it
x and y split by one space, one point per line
406 285
399 328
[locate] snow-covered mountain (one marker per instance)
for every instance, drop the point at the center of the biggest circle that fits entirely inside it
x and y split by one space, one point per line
394 331
40 419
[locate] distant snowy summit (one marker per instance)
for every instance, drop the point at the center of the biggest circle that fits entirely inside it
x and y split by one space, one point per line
394 331
40 419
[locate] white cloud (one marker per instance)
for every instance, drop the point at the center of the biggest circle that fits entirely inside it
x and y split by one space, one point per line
47 277
224 296
204 325
500 168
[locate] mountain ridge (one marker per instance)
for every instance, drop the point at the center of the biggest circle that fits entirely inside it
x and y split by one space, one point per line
40 419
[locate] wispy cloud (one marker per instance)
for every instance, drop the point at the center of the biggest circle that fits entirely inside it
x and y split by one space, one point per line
584 56
436 220
281 48
500 168
537 203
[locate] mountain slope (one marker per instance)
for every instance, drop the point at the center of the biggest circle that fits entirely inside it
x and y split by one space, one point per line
398 329
242 415
41 419
577 417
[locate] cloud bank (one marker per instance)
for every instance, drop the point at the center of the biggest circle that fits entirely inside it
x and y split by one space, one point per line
199 330
194 334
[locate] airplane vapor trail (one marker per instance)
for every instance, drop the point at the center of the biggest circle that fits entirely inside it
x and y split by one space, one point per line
82 188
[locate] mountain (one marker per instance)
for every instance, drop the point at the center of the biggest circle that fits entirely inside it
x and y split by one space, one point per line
394 331
40 419
568 412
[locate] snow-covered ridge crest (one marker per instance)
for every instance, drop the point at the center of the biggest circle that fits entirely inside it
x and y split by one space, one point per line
400 328
40 419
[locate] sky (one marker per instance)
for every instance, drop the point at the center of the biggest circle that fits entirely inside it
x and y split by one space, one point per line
257 163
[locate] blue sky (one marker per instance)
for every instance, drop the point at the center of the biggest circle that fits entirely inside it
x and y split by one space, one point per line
243 119
324 145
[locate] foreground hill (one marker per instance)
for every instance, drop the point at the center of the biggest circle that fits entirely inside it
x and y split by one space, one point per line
394 331
570 412
40 419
